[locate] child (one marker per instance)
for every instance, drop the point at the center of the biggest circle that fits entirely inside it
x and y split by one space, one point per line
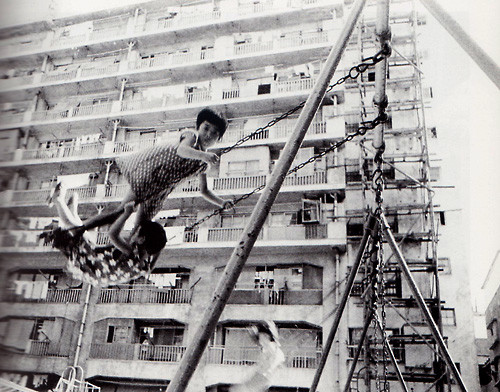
124 260
153 173
265 334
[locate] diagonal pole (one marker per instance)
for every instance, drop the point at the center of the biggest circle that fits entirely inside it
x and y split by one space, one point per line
241 253
421 302
357 354
391 354
481 58
369 228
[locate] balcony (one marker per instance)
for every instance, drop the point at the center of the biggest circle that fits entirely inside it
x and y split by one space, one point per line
140 109
145 295
136 352
298 358
332 128
58 296
187 18
321 180
297 235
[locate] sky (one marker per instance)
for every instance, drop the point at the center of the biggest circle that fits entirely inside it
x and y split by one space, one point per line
464 110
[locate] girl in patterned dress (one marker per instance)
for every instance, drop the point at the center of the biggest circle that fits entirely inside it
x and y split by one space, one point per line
153 173
122 261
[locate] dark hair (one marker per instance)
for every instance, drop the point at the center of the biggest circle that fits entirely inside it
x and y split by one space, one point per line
214 118
154 237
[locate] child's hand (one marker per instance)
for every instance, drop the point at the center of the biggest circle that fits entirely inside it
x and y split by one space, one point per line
129 207
228 204
211 158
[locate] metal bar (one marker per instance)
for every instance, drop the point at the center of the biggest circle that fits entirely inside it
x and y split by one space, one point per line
240 254
383 32
391 355
480 57
369 227
421 303
355 359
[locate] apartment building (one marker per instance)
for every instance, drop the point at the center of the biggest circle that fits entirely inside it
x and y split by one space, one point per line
84 90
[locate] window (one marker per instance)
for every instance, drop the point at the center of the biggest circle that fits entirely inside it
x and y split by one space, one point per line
288 218
264 277
264 89
243 168
310 211
448 316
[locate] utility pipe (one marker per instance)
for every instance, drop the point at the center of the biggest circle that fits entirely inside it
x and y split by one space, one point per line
481 58
421 302
241 253
82 326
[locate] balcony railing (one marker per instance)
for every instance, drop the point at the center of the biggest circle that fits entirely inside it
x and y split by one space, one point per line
58 76
250 182
131 146
276 297
30 197
134 352
10 118
61 296
252 47
303 358
295 85
81 150
90 110
145 295
100 70
45 349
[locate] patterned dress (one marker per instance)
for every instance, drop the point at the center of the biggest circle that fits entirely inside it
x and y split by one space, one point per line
154 172
99 266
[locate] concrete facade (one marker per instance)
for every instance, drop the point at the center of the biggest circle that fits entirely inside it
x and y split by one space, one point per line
86 89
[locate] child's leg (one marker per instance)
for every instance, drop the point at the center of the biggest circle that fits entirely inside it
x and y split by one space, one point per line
110 217
67 218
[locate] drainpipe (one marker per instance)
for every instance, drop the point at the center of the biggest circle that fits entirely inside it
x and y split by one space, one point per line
82 326
115 130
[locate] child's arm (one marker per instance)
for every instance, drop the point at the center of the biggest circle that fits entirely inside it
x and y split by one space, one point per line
210 196
186 150
117 227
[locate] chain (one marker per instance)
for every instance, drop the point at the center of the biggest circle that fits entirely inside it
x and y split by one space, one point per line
365 126
362 129
384 318
353 73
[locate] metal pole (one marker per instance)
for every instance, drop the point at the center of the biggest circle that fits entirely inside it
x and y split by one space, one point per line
481 58
361 342
240 254
391 355
369 228
380 100
421 303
